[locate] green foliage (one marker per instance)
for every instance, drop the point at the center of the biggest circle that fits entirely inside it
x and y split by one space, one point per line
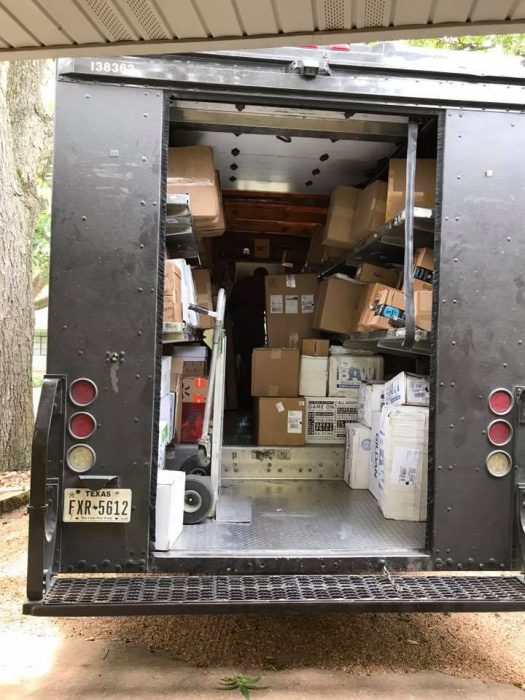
242 683
41 241
509 43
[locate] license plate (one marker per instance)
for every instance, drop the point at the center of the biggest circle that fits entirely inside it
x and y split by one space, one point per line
101 506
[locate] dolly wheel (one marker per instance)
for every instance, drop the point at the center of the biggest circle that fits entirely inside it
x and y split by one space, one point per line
198 499
193 466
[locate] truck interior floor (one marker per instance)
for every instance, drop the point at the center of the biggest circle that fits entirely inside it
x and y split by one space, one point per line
303 517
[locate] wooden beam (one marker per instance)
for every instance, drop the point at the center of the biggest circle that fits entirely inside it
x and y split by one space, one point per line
274 212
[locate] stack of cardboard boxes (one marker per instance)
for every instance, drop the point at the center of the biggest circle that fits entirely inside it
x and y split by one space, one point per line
387 451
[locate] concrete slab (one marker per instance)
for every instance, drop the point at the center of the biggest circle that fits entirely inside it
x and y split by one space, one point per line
62 668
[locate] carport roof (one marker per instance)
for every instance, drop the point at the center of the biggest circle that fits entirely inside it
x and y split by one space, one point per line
32 28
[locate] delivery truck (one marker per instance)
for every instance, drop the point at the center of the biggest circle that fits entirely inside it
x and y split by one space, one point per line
362 214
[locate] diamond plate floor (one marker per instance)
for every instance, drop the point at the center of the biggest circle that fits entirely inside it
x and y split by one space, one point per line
303 518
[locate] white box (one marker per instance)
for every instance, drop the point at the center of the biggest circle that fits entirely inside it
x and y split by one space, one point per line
357 455
169 509
371 399
347 372
188 295
166 415
373 483
313 376
407 389
165 375
326 419
403 462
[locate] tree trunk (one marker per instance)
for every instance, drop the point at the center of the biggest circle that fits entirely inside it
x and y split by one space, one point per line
25 132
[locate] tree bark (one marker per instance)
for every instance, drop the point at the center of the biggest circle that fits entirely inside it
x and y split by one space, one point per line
25 147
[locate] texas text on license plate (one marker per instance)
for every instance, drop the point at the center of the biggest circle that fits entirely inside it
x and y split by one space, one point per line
101 506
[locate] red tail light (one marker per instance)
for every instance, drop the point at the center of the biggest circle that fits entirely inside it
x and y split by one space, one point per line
501 401
499 432
82 425
82 392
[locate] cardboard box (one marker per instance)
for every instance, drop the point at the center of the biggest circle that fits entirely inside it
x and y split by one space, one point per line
275 372
339 221
172 293
191 171
313 376
423 269
406 389
202 283
357 455
169 508
326 419
165 375
289 309
368 273
403 462
261 248
280 421
371 400
194 389
380 304
337 305
315 347
216 226
370 211
347 372
423 310
425 185
177 413
187 361
187 291
373 476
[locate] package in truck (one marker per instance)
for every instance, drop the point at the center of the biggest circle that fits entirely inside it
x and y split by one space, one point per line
202 284
347 372
187 292
403 462
424 189
407 389
326 418
338 231
169 508
165 375
423 310
191 171
337 305
371 399
315 347
370 211
172 298
313 376
289 309
380 305
373 482
368 273
357 455
275 372
280 421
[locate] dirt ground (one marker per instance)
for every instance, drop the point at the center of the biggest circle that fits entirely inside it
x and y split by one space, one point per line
488 647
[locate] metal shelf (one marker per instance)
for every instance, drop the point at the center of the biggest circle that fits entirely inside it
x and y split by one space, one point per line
389 341
386 247
181 239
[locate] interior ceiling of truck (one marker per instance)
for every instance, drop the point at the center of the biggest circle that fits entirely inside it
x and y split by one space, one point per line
31 28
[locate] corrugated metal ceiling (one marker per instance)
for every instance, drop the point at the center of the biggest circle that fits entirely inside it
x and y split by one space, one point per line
96 27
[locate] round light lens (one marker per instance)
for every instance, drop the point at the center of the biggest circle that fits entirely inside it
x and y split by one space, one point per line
82 392
500 401
82 425
80 458
499 463
499 432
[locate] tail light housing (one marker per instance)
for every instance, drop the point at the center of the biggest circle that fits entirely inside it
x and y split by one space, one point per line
501 401
82 392
82 425
80 458
499 463
499 432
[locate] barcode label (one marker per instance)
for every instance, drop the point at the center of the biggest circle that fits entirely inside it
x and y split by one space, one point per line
405 466
276 303
295 421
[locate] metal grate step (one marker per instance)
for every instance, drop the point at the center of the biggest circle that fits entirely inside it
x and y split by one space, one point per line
141 595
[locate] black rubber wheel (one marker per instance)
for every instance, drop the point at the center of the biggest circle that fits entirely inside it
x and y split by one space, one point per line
192 466
198 499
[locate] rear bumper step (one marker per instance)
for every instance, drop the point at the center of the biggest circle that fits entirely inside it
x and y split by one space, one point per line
157 595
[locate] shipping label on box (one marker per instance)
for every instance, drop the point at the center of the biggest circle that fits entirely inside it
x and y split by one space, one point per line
347 372
280 421
407 389
326 419
357 455
371 399
289 309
